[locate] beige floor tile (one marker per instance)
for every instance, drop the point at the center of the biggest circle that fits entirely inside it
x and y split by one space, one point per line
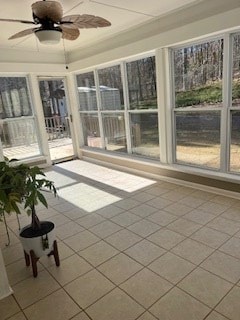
119 268
127 204
81 316
192 250
142 196
32 289
126 219
64 252
8 307
159 203
162 218
224 225
18 271
230 306
98 253
210 237
70 268
223 265
173 195
144 228
171 267
215 316
157 190
165 238
200 194
199 216
89 288
237 234
13 238
214 208
47 214
105 229
75 214
147 316
224 200
58 305
81 240
90 220
64 207
205 286
146 287
12 253
143 210
123 239
18 316
232 247
184 227
59 220
178 209
192 201
232 214
169 185
67 230
178 305
116 305
109 211
145 252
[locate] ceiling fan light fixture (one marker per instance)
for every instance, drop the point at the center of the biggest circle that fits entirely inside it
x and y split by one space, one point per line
48 36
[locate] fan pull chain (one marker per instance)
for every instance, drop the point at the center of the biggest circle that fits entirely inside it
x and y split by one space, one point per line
65 54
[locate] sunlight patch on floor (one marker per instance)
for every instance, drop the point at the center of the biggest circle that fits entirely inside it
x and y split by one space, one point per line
60 180
120 180
87 197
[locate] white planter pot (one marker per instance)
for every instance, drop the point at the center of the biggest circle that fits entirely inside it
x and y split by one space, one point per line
35 242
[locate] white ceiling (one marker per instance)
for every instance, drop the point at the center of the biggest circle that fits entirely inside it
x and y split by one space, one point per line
123 14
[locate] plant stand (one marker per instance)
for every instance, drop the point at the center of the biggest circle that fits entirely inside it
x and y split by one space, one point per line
33 259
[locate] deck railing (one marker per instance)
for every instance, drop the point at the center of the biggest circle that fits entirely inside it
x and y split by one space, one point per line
57 127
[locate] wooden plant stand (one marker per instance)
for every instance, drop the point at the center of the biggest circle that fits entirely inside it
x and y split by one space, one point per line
33 259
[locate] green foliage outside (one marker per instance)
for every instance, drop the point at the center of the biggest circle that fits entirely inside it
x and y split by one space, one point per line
209 94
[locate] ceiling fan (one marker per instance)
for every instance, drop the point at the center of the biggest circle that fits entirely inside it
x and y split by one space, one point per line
51 26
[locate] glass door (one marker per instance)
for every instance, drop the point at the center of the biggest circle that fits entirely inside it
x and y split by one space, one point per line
57 118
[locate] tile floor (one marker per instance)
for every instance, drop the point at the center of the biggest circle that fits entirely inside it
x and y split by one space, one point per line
130 248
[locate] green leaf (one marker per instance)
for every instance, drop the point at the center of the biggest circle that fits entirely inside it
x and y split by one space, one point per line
42 199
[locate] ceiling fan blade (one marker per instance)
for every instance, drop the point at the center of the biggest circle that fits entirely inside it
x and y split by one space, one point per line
48 10
86 21
70 34
22 33
15 20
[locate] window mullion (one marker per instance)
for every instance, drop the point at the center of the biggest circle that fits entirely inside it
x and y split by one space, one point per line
126 106
227 89
99 107
164 104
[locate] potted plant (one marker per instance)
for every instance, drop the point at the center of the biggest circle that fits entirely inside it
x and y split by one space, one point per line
23 186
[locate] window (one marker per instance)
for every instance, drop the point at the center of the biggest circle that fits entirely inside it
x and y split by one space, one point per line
114 132
198 138
17 124
198 73
111 89
87 91
141 76
91 130
235 108
144 134
114 124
